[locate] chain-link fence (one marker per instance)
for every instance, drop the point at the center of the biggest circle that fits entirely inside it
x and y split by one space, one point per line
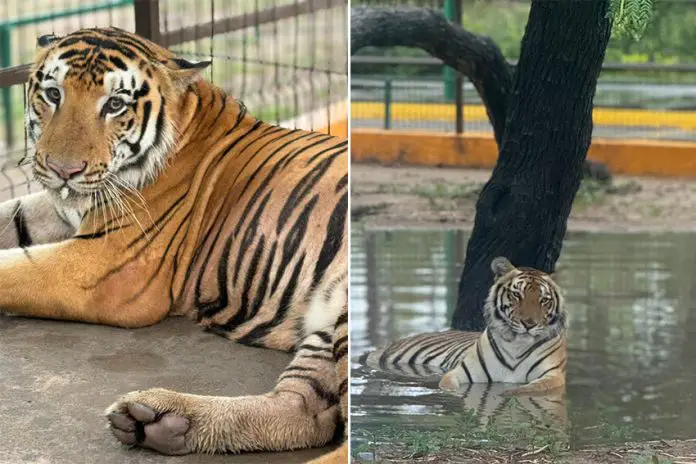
286 59
647 89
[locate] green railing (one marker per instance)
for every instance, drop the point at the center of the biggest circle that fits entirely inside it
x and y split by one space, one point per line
6 28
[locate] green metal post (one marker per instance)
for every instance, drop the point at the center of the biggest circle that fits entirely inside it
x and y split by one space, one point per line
387 103
6 62
449 75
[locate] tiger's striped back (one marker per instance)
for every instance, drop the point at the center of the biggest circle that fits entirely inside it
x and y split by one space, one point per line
423 355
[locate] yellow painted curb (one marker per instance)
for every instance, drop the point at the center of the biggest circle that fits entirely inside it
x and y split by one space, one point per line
446 112
639 158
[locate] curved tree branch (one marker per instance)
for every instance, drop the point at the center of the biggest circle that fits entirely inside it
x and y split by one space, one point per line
477 57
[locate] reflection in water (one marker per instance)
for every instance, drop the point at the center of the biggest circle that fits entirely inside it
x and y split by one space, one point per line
630 300
417 396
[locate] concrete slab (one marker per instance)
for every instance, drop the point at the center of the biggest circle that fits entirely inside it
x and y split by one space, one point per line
56 379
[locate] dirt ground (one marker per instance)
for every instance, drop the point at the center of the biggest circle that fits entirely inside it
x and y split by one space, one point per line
653 452
445 197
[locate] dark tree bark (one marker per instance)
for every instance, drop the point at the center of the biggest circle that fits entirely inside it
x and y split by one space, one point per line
541 115
523 210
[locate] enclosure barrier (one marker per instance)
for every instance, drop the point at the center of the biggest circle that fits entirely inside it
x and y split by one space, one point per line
391 125
415 103
388 112
147 24
393 148
285 59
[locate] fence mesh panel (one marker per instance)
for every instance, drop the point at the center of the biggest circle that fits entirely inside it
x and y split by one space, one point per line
286 59
646 91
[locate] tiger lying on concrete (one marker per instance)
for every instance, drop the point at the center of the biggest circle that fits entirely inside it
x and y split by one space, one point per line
525 340
164 196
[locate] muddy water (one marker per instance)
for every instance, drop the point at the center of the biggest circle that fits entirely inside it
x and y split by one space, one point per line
632 336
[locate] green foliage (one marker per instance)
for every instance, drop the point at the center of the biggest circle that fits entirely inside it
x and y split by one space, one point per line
666 30
631 17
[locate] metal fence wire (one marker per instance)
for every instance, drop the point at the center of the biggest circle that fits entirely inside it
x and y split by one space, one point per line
287 60
647 89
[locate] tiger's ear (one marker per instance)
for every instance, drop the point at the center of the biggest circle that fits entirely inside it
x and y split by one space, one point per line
184 72
46 40
501 266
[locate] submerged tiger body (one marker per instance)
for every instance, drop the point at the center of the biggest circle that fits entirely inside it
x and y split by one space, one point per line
164 196
525 341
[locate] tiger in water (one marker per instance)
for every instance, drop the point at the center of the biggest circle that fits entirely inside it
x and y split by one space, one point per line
525 340
164 196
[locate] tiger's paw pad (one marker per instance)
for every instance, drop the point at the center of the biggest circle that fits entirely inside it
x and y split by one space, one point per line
449 382
136 424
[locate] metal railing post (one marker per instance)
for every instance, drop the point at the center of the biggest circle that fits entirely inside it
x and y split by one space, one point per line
6 62
458 80
387 103
448 74
147 19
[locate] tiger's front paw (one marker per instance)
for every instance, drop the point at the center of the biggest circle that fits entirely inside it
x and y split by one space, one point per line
155 419
449 381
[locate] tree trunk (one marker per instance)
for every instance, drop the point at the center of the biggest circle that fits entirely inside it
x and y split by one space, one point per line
523 209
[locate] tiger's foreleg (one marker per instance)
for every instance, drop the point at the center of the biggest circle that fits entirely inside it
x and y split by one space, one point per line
75 280
453 379
340 455
301 412
466 371
32 220
552 381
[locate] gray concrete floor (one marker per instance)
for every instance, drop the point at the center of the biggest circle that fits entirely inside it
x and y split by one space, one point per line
57 378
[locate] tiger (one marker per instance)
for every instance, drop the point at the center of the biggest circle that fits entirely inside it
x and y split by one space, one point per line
524 342
163 196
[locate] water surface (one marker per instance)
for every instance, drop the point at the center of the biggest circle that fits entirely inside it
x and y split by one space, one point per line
631 301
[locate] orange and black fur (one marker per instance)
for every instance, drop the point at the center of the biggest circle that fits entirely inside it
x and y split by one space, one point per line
525 341
164 196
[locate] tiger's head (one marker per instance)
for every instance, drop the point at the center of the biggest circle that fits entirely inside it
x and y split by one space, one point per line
102 111
523 302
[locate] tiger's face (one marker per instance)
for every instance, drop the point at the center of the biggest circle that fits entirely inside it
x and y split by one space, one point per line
102 110
523 301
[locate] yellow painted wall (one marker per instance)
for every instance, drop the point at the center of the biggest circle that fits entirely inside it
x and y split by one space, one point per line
446 112
653 158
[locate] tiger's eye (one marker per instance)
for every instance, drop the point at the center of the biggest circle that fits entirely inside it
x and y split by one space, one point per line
114 105
53 95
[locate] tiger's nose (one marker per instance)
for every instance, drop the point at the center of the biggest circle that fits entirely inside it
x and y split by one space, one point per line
527 323
66 170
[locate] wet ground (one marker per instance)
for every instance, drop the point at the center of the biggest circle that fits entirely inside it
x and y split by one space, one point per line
417 197
57 378
630 370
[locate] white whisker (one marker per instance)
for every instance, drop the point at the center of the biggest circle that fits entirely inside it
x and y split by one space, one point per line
12 219
128 208
127 189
